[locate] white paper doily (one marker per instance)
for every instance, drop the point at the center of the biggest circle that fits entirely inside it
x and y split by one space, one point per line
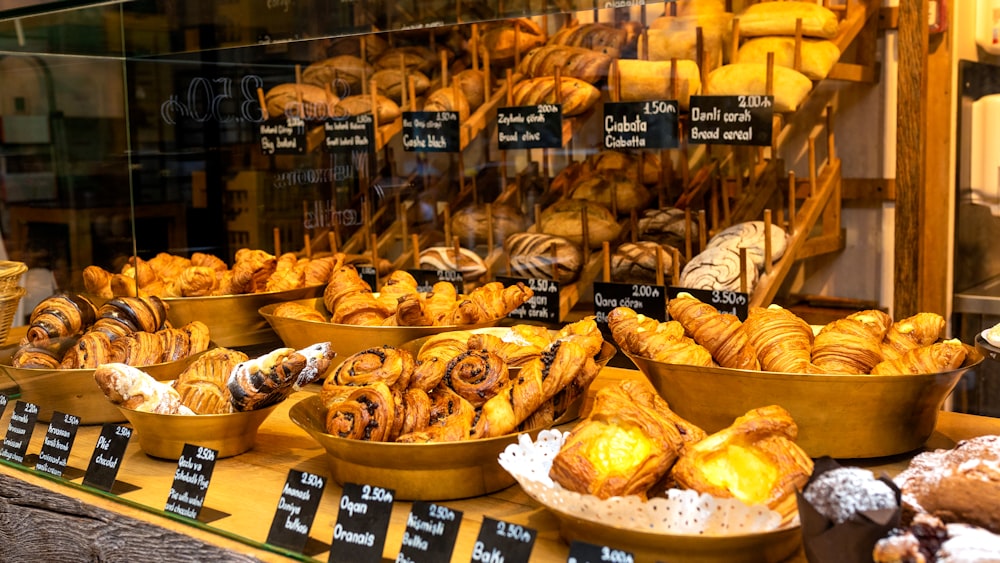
680 513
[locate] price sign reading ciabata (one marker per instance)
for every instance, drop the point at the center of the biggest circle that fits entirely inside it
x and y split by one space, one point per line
650 300
296 510
431 131
19 430
362 522
530 127
731 120
732 302
427 278
59 438
503 541
543 305
641 125
350 133
431 530
583 552
107 457
283 136
191 480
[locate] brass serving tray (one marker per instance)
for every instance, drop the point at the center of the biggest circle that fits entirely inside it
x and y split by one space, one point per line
841 416
73 391
347 339
234 320
164 435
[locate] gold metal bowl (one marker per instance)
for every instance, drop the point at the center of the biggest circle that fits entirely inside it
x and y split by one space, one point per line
841 416
437 471
73 391
347 339
234 320
164 435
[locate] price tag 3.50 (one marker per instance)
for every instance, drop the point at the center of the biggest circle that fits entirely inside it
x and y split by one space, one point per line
731 302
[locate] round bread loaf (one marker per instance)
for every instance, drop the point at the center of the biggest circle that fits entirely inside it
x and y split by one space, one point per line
564 219
342 73
627 194
636 262
537 255
666 226
750 235
391 82
387 109
718 268
284 100
443 258
469 224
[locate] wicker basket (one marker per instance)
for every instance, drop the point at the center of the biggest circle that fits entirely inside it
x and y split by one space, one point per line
8 308
10 276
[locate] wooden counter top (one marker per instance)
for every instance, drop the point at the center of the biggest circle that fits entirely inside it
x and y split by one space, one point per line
43 518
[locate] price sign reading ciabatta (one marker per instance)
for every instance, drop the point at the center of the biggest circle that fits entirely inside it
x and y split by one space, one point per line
583 552
107 456
529 127
732 302
731 120
641 125
650 300
59 438
350 133
362 522
19 430
544 303
283 136
431 131
296 510
191 480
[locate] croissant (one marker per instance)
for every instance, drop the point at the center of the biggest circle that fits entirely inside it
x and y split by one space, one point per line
268 379
198 336
284 279
134 389
627 443
90 350
755 459
136 349
168 266
783 341
122 316
878 322
175 344
514 351
59 316
203 386
97 281
921 329
238 281
489 302
846 346
318 270
662 342
350 301
298 311
258 263
440 302
584 332
212 261
400 284
933 358
721 334
36 357
411 311
416 411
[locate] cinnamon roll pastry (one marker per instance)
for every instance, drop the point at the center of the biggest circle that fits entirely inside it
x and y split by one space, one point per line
452 418
268 379
921 329
137 349
97 281
933 358
400 284
124 315
132 388
367 413
62 315
91 350
416 410
203 385
428 373
386 364
720 333
846 346
783 341
298 311
477 376
627 443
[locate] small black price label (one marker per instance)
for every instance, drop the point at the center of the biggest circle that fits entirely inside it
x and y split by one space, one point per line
362 522
731 120
641 125
191 480
503 541
59 438
732 302
19 430
296 510
431 530
583 552
427 278
350 133
650 300
283 136
542 306
530 127
431 131
107 457
369 275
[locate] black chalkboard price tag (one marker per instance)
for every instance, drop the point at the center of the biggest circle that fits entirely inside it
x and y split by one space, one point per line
431 530
431 131
362 522
369 275
59 438
649 300
503 541
107 457
583 552
530 127
191 480
296 510
731 120
543 306
350 133
3 403
427 278
282 136
641 125
19 430
732 302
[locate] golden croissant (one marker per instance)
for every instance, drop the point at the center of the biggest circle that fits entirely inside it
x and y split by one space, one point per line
720 333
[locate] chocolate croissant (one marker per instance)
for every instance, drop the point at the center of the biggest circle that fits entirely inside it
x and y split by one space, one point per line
451 420
722 334
59 316
90 350
122 316
261 382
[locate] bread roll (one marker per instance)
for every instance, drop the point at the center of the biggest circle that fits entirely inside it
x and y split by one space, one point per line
471 226
718 268
599 37
470 81
537 255
666 226
564 219
503 43
676 37
790 86
635 262
448 99
623 163
818 55
575 95
779 18
392 81
628 195
388 110
337 73
283 100
577 62
751 236
650 80
411 57
442 258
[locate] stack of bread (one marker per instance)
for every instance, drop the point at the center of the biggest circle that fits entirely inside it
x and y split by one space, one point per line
460 386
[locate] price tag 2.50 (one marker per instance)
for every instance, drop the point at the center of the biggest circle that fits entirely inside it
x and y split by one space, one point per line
191 480
59 438
431 530
362 522
107 457
503 541
296 510
543 305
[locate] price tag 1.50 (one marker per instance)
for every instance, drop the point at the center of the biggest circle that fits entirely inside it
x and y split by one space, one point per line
732 302
641 125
